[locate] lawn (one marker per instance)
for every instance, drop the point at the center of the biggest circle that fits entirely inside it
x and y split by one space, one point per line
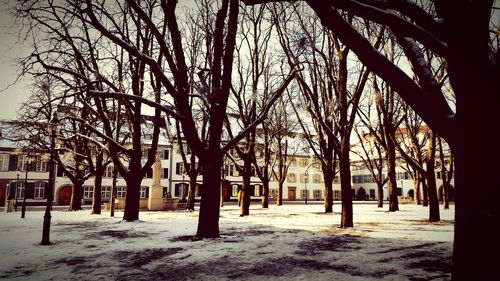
290 242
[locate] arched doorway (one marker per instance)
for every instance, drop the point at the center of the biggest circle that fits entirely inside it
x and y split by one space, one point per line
64 195
411 194
361 194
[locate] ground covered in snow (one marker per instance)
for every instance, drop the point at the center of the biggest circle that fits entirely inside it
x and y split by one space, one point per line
291 242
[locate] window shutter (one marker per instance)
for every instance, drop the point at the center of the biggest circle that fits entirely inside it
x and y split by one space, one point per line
13 162
149 173
165 153
12 190
59 170
177 168
147 192
30 190
165 173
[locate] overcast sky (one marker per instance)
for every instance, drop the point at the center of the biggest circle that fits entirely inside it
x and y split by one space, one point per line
10 96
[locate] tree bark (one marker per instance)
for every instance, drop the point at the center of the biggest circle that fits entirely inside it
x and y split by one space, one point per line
97 198
346 193
391 174
431 179
380 192
416 186
191 193
279 196
328 178
132 198
425 191
265 194
76 196
208 221
247 171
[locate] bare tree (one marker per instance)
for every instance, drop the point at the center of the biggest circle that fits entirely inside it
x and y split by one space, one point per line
451 29
252 88
447 171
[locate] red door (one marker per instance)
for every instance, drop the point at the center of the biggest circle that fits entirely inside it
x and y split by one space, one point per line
64 197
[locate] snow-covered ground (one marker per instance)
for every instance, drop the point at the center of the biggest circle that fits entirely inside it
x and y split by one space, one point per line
291 242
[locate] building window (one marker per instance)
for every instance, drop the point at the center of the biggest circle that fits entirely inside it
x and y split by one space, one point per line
22 161
304 194
235 190
304 178
316 178
438 175
41 166
143 192
164 173
166 153
88 192
336 194
179 168
317 194
39 190
109 171
121 191
303 162
292 178
336 179
257 190
106 192
20 190
4 162
293 162
181 190
273 193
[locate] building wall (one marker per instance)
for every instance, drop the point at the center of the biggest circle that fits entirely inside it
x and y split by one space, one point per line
175 181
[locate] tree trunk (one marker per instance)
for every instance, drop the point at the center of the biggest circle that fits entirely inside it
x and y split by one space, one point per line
328 177
345 185
279 196
191 193
132 198
208 221
446 198
97 196
391 174
475 82
380 191
247 172
265 194
425 201
76 197
431 179
416 186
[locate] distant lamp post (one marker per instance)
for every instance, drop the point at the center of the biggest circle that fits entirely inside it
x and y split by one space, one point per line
15 193
53 126
183 191
28 166
306 178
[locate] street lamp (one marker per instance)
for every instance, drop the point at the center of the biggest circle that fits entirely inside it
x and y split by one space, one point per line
53 125
306 179
15 193
183 191
28 166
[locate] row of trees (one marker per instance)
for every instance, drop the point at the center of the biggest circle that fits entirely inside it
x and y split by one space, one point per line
110 59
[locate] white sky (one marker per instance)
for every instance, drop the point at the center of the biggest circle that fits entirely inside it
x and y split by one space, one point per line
291 242
11 97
